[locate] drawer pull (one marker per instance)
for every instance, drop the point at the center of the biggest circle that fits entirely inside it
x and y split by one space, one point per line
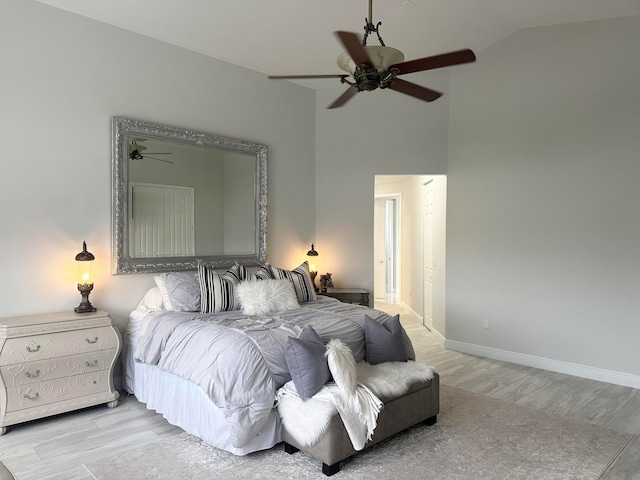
34 350
36 396
36 374
92 364
91 340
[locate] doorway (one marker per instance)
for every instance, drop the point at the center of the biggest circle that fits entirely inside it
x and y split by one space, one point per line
386 246
420 247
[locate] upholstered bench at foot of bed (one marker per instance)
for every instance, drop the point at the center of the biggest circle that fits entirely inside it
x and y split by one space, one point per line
420 404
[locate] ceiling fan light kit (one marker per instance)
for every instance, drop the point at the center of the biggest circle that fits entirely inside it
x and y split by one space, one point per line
373 67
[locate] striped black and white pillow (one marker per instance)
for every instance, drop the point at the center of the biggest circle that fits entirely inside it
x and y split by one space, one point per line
301 280
218 292
239 273
265 273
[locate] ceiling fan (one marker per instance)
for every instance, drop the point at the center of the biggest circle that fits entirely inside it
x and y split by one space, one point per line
373 67
135 152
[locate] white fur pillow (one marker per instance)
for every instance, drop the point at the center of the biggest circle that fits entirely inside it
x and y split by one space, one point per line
342 365
261 297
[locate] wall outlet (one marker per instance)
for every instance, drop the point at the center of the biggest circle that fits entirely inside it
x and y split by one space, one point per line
486 323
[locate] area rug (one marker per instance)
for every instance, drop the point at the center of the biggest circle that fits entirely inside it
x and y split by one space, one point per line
476 437
5 473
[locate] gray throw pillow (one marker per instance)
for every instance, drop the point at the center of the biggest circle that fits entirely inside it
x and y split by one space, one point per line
183 290
307 363
384 342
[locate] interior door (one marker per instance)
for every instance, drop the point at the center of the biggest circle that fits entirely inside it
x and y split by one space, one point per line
161 221
179 221
428 256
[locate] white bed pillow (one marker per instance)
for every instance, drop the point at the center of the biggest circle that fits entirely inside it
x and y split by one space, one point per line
152 301
261 297
162 286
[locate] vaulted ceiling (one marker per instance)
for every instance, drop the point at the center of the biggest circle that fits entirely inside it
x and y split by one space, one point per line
280 37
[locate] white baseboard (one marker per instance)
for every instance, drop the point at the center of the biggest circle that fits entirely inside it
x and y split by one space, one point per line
411 312
439 337
583 371
436 334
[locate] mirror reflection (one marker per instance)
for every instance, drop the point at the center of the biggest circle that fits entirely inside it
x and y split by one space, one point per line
182 196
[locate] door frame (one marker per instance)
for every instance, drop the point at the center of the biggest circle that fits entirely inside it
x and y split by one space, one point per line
428 238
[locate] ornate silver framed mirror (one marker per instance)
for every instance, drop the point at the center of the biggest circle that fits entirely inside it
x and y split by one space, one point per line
182 196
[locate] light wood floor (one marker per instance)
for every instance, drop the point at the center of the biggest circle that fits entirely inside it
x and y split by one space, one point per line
57 447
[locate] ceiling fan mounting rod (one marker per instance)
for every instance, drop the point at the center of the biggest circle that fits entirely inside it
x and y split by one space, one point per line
369 27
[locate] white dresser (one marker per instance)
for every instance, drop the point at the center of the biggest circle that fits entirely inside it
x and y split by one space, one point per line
54 363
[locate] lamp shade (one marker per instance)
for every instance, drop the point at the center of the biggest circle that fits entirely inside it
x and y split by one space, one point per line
381 57
84 263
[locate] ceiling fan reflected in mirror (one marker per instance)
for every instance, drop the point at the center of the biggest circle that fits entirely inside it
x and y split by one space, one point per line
135 151
373 67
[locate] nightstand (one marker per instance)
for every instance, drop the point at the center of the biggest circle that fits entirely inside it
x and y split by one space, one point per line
55 363
348 295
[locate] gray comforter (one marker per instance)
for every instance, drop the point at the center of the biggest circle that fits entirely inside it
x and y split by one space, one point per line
238 360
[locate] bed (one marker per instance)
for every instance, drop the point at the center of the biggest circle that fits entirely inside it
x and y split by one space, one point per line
209 356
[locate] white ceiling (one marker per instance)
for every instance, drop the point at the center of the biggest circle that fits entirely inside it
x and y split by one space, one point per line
280 37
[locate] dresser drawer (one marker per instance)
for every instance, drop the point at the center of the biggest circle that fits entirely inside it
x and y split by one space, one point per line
57 367
58 390
51 345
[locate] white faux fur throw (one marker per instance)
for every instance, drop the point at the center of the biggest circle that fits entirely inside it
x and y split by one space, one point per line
308 421
392 379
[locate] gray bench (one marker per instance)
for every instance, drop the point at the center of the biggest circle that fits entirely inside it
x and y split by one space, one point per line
420 404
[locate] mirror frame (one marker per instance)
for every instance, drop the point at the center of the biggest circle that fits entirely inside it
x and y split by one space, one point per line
122 262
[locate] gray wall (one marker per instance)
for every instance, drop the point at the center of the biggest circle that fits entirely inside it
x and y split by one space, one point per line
543 222
62 79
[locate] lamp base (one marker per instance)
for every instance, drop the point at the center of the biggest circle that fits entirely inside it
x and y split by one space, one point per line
85 308
85 305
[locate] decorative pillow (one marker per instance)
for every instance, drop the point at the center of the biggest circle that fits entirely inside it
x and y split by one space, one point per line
240 273
261 297
307 363
342 365
183 290
301 280
217 292
264 272
180 291
384 342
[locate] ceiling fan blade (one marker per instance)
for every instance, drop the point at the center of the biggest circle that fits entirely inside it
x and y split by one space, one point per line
353 45
345 97
158 159
414 90
437 61
134 146
337 75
